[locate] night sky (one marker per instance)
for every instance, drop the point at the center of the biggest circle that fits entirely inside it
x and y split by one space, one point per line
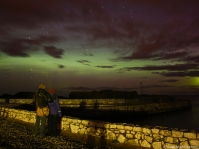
87 45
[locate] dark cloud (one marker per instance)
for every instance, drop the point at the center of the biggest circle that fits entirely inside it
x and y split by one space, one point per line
177 70
53 51
171 80
175 67
61 66
156 86
105 66
179 74
85 62
194 59
20 47
14 48
88 54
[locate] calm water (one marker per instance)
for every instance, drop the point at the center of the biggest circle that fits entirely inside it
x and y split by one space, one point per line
186 119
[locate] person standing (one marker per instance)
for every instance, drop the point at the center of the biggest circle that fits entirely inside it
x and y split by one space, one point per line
55 114
41 99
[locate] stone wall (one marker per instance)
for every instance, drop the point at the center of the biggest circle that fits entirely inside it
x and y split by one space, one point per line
2 100
152 137
136 105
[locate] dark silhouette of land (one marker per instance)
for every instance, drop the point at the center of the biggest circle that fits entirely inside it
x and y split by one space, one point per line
104 94
23 95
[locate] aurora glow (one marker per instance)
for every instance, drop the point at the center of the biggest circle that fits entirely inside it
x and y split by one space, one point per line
76 45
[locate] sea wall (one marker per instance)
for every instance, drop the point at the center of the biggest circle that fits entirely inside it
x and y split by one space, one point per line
137 105
152 137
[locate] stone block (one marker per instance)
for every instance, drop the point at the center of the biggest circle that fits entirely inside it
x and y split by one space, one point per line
184 144
145 144
176 133
169 145
157 145
165 132
99 130
129 136
190 135
168 139
121 138
146 130
127 131
128 127
176 140
110 135
74 128
85 122
137 128
81 126
194 143
113 126
149 139
157 137
107 126
116 131
120 126
138 135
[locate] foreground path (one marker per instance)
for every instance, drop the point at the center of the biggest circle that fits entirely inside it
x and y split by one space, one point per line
18 134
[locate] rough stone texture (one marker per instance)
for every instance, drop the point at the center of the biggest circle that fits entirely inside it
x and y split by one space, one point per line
146 131
145 144
168 139
128 127
110 135
185 144
194 143
190 135
137 128
129 136
121 138
176 133
169 145
157 145
74 129
151 137
165 132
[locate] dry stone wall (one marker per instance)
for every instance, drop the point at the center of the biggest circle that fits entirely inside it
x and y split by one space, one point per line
146 136
116 104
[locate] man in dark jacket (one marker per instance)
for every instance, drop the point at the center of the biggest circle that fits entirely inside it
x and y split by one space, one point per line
41 99
55 114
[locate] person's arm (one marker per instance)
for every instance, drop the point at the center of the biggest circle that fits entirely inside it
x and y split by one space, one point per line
58 107
48 97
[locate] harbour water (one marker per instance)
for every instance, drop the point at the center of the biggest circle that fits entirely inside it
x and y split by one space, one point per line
184 119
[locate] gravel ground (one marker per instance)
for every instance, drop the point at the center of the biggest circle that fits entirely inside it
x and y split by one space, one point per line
18 135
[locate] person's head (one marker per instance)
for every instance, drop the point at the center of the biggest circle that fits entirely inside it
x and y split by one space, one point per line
42 86
51 91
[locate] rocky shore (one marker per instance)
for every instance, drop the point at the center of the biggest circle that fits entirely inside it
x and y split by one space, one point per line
18 134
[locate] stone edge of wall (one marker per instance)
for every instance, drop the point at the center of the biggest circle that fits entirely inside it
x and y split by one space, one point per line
146 136
116 104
